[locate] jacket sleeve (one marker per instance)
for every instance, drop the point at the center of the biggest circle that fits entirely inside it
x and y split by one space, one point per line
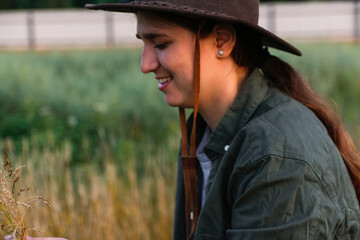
280 198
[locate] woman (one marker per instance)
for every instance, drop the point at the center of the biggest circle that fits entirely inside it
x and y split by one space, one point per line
267 158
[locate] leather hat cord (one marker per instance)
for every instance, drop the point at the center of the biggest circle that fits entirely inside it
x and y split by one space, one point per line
189 161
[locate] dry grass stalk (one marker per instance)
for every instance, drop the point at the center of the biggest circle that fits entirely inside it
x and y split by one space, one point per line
11 208
92 203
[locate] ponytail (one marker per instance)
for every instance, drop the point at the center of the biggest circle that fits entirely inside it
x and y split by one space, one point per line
288 80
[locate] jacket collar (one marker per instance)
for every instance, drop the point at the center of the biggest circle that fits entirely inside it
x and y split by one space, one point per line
240 112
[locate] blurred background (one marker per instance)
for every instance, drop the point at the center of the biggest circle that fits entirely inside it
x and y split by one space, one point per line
94 133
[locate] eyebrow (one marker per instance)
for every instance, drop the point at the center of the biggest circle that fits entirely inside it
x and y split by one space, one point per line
150 36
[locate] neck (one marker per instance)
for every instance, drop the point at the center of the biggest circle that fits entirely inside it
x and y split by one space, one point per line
229 86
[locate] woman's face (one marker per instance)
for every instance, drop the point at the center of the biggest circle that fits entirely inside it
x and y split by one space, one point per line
168 52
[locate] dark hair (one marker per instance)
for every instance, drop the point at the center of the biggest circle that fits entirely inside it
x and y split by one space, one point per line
292 83
246 52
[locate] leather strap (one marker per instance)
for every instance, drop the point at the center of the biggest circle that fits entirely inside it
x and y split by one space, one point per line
189 161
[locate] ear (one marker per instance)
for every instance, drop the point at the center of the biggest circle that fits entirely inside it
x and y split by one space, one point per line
225 39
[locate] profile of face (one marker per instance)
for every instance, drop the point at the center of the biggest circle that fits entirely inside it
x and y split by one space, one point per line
168 52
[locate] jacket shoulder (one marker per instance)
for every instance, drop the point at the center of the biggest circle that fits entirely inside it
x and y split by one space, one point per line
283 126
286 129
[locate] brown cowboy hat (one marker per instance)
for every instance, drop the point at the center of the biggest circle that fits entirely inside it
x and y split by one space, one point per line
245 12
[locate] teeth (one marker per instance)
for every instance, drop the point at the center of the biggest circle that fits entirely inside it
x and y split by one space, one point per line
164 80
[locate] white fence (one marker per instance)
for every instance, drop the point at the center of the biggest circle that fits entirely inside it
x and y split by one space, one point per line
311 20
330 21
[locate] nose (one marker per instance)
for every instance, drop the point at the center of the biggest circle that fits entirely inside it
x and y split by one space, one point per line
149 60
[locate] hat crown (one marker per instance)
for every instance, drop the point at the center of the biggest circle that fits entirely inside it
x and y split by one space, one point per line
242 12
247 10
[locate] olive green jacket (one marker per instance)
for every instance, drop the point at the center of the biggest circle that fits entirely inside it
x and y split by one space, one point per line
280 178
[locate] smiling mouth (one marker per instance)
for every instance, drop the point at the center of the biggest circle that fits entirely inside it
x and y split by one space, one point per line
164 80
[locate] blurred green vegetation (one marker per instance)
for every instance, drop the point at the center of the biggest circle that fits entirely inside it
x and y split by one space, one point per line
85 97
88 97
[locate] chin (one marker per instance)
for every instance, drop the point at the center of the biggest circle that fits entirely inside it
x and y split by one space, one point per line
172 104
178 101
178 104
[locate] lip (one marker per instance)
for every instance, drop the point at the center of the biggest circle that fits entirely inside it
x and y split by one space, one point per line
164 82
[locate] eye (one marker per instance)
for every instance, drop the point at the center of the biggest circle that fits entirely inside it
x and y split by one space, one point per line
161 45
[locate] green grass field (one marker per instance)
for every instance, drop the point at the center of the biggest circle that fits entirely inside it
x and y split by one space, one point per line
80 96
99 142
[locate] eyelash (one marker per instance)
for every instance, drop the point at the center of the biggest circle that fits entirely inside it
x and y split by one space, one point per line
161 45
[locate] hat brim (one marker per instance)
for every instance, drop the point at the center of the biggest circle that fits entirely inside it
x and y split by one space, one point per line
267 38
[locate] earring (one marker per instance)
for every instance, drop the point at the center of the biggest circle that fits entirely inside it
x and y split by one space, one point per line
221 52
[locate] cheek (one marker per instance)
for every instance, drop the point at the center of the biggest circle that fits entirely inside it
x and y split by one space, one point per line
179 64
